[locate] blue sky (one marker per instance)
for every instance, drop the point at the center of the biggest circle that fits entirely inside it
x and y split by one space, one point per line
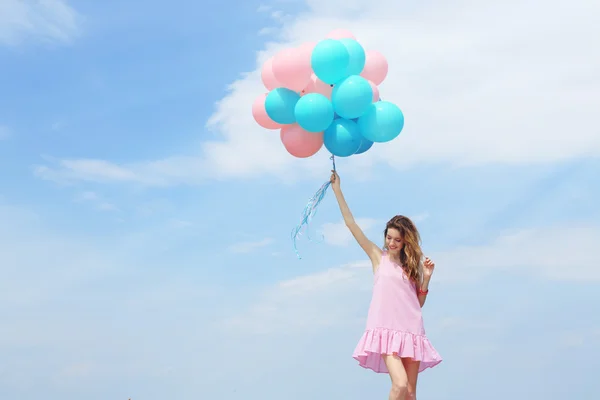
145 219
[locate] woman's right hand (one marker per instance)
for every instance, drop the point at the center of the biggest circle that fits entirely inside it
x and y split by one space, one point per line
335 180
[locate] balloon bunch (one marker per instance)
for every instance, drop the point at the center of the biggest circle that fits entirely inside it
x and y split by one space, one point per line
326 94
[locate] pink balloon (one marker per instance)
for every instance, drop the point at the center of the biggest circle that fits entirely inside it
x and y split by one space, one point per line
315 85
260 114
340 34
292 67
301 143
375 91
307 48
376 67
267 76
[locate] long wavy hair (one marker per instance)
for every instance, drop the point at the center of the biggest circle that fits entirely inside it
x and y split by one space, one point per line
411 253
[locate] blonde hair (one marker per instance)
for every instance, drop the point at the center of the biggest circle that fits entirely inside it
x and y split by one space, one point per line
411 254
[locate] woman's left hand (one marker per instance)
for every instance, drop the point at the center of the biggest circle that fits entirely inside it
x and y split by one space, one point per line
428 267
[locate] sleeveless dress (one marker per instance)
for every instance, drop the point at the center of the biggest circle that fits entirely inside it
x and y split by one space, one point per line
394 323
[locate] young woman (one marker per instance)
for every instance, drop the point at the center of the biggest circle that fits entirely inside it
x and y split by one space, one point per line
394 341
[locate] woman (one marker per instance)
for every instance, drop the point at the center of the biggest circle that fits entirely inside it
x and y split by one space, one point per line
394 341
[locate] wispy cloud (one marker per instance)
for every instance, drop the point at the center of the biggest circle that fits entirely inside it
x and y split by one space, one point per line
337 234
178 170
305 303
568 253
95 199
37 264
247 247
43 271
267 31
180 223
326 298
419 217
4 132
263 8
47 20
87 170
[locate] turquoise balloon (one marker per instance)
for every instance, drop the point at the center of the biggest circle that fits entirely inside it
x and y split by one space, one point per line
357 56
352 97
314 112
330 60
280 104
342 138
364 146
382 122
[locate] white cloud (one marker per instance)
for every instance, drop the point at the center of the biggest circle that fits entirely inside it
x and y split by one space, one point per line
72 297
86 196
306 303
419 217
4 132
558 253
267 31
247 247
263 8
572 339
166 308
45 20
89 170
95 199
576 338
337 296
180 223
320 281
337 234
104 206
80 370
462 324
478 82
37 265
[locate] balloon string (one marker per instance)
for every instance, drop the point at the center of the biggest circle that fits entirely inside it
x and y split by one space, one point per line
310 211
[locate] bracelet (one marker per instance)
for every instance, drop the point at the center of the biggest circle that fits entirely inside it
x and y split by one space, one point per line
422 292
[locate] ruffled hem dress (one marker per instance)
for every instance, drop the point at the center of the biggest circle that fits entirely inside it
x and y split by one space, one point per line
395 322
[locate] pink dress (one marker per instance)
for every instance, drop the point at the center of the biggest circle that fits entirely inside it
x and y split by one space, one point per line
395 323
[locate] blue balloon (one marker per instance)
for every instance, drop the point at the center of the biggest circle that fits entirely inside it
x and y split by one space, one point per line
352 97
314 112
382 122
330 60
342 138
280 104
364 146
357 56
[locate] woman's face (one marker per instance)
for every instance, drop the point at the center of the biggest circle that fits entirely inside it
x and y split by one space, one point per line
394 241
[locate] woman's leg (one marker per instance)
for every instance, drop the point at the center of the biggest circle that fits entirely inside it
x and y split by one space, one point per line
412 372
398 377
